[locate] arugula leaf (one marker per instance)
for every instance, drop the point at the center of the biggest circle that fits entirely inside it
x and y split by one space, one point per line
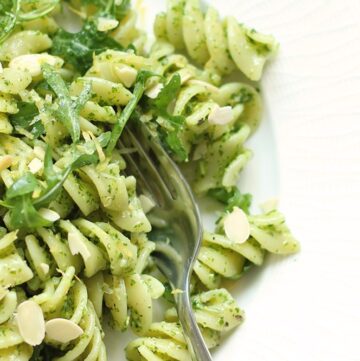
25 116
161 104
11 13
8 12
138 92
68 110
51 176
167 95
43 88
83 97
104 139
24 185
232 198
18 198
175 145
53 189
78 49
23 209
23 215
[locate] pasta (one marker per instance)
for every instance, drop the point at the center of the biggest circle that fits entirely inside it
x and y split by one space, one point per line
219 46
75 231
215 312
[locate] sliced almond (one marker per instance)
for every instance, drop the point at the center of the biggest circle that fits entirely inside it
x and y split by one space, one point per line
62 330
45 268
105 24
221 115
147 204
35 165
237 226
77 246
126 74
154 91
6 161
30 321
49 214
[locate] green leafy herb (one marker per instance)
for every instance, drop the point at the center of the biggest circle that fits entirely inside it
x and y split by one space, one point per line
18 199
171 138
232 198
11 14
55 180
23 215
25 118
78 49
23 208
129 109
8 11
68 110
24 185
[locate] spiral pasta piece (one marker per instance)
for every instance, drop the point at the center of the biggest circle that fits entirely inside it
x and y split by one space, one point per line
12 346
215 312
125 305
272 233
220 46
66 298
13 268
163 341
222 161
220 257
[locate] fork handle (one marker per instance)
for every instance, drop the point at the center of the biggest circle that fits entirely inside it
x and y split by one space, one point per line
195 342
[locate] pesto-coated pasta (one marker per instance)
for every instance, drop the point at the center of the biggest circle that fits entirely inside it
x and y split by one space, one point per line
76 241
218 45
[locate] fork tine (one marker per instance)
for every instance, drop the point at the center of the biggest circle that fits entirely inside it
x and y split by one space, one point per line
163 165
157 164
177 240
140 163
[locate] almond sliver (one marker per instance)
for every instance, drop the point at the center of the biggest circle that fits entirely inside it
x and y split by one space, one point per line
62 330
236 226
30 321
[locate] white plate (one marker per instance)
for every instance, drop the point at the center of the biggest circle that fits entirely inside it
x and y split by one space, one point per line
306 307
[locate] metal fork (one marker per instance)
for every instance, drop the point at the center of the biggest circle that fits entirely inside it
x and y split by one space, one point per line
177 226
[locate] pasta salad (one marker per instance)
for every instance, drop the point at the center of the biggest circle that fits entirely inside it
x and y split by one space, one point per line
74 232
